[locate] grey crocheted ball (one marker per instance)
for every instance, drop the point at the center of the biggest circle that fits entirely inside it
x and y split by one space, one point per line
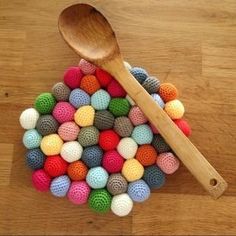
46 125
160 144
35 158
139 74
92 156
151 84
123 126
117 184
103 120
61 92
88 136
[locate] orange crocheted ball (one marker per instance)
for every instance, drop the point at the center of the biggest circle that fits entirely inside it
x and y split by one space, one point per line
90 84
146 155
77 171
168 92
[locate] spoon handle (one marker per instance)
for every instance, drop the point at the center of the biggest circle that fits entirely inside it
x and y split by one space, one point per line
180 144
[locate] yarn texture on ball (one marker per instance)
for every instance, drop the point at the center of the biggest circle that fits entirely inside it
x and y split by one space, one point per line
127 148
139 74
46 125
90 84
71 151
97 177
158 100
92 156
104 120
108 140
168 92
132 170
45 103
79 98
123 126
117 184
69 131
100 100
61 92
174 109
77 170
112 161
151 84
160 144
63 112
115 89
119 107
60 186
103 77
146 155
29 118
51 144
84 116
88 136
72 77
136 116
32 139
35 159
142 134
183 126
41 180
86 67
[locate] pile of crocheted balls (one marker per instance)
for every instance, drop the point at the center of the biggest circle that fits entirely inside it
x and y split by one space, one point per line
87 140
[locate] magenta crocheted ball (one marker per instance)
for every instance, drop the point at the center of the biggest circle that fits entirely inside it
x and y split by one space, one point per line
63 112
41 180
115 89
86 67
72 77
136 116
69 131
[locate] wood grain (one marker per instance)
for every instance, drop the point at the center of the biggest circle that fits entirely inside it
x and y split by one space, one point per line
190 43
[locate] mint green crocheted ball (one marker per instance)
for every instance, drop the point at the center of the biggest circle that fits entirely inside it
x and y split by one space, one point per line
100 100
45 103
119 107
100 200
142 134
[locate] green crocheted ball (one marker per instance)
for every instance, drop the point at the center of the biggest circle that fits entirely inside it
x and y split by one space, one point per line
119 107
100 200
45 103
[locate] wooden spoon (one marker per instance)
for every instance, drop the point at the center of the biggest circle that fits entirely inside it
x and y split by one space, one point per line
91 36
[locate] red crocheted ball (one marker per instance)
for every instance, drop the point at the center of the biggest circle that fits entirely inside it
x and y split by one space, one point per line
184 126
55 166
112 161
103 77
41 180
115 89
63 112
72 77
108 140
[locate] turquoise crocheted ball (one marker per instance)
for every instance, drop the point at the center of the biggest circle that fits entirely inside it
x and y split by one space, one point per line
142 134
100 100
32 139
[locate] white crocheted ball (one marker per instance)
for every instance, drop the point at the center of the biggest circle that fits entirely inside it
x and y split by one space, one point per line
29 118
121 204
127 148
71 151
130 100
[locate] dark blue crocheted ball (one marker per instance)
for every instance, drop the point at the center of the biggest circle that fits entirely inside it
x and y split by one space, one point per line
35 158
139 74
78 98
160 144
92 156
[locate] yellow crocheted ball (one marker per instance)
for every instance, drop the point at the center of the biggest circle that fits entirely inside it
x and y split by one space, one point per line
174 109
51 144
84 116
132 170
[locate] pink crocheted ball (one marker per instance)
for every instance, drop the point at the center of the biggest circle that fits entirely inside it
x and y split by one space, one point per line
112 161
136 116
153 128
86 67
115 89
63 112
69 131
41 180
72 77
79 192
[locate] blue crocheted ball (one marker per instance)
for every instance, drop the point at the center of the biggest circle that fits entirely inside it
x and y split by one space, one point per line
92 156
97 177
32 139
139 191
60 186
154 177
35 158
139 74
100 100
158 100
142 134
78 98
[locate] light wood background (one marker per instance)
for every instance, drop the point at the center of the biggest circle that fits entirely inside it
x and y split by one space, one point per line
191 43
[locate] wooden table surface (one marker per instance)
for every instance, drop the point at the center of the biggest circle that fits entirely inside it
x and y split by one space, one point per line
187 42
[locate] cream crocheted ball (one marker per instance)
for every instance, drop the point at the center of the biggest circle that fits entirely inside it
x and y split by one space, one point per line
84 116
127 148
51 144
174 109
132 170
71 151
29 118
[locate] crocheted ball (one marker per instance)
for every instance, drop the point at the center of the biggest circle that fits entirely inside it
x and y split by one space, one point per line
142 134
51 144
115 89
158 100
32 139
174 109
117 184
167 162
160 144
41 180
84 116
77 170
90 84
139 74
154 177
63 112
168 92
104 120
103 77
127 148
108 140
132 170
72 77
123 126
121 204
45 103
29 118
46 125
78 192
35 158
71 151
146 155
112 161
139 191
97 177
92 156
69 131
130 100
183 126
61 92
151 84
86 67
153 128
136 116
55 166
88 136
127 65
119 107
100 200
100 100
60 186
79 98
